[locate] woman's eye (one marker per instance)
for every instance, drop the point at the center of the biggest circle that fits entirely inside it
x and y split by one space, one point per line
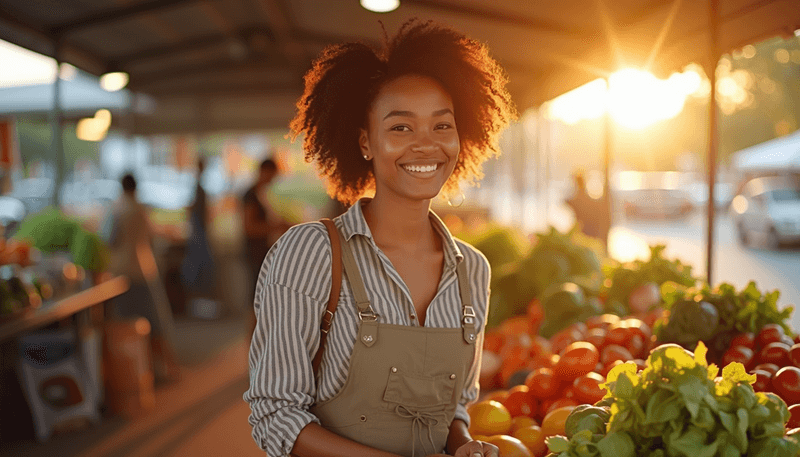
443 126
400 128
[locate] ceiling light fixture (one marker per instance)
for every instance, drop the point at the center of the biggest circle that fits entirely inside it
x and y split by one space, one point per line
115 81
380 6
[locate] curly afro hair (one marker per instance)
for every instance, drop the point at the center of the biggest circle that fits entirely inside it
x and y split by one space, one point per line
345 79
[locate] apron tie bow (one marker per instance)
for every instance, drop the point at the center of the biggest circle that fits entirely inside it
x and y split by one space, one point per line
418 419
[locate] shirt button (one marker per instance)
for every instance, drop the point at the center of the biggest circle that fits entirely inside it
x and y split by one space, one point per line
363 418
394 370
412 316
452 376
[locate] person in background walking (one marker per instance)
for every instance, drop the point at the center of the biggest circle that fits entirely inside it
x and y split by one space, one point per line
197 269
131 240
262 226
590 213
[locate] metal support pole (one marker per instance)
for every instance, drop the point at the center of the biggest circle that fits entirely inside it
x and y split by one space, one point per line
713 140
56 120
607 145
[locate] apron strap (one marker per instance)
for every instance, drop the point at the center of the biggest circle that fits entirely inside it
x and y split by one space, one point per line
365 311
468 318
333 299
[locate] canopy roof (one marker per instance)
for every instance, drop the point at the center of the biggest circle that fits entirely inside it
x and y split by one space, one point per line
777 154
238 64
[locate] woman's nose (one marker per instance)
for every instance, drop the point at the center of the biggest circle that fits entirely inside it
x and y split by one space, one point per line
424 142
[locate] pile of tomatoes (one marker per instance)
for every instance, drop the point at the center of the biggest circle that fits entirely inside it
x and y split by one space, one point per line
774 358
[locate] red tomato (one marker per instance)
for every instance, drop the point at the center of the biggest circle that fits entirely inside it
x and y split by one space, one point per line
794 419
763 381
602 321
542 383
747 340
535 315
797 338
777 353
580 327
794 354
635 345
576 360
614 352
617 335
787 384
587 388
741 354
769 333
569 392
521 403
564 338
540 346
787 340
768 367
560 403
596 336
493 341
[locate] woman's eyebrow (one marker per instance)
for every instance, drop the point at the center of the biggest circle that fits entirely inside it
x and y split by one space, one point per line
437 113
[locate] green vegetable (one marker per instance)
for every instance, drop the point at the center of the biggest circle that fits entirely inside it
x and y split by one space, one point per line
563 305
690 322
53 231
586 417
677 406
738 312
623 279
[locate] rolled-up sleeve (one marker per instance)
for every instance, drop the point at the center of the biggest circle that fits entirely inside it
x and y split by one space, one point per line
480 272
291 293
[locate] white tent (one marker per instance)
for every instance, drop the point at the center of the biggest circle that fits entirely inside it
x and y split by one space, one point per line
779 154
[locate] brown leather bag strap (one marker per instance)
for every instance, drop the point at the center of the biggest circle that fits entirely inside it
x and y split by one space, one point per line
336 285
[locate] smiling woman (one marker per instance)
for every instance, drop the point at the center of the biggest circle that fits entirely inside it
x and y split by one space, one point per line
400 361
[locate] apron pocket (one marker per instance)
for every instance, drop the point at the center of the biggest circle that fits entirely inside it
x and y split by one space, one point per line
423 393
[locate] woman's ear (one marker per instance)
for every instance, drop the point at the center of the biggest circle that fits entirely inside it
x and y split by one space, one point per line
363 142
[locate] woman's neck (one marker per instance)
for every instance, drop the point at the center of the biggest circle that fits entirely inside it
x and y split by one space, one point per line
396 224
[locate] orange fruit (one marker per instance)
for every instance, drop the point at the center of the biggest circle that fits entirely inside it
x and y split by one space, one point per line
489 418
497 395
533 438
521 422
553 423
480 437
510 446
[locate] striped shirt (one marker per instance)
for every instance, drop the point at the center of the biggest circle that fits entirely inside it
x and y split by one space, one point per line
290 299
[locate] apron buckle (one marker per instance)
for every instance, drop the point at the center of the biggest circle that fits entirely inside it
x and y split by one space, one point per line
367 314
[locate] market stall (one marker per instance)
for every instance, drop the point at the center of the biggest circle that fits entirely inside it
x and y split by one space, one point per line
585 356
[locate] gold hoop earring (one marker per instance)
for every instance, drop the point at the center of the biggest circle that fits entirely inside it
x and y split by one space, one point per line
461 202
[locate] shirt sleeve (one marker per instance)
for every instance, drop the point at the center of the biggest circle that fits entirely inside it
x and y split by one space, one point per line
480 273
290 297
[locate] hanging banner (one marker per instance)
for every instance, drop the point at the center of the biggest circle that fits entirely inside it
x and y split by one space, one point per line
9 153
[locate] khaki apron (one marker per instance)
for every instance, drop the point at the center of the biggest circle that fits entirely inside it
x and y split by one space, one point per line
404 382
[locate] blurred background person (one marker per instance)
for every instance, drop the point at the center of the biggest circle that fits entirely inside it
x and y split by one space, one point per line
198 266
262 225
590 213
131 241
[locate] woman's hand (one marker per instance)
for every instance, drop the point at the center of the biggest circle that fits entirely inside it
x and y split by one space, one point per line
477 449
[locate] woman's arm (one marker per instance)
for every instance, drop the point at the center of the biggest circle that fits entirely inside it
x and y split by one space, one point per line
315 441
459 436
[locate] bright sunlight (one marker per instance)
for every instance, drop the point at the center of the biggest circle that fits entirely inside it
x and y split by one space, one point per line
634 98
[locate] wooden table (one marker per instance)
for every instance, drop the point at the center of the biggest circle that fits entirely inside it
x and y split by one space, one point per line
55 311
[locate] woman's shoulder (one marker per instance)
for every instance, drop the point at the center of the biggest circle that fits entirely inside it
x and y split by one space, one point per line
300 257
473 256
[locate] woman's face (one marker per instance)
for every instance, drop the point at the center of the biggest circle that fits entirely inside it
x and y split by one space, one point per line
411 138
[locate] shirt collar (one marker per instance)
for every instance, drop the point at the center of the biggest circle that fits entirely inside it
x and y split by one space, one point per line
353 223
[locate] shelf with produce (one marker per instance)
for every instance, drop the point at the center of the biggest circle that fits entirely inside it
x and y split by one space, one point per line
55 310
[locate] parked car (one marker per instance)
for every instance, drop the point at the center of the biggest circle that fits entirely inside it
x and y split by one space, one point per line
767 210
653 194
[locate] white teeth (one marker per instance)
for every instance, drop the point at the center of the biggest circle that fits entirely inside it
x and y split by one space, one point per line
420 169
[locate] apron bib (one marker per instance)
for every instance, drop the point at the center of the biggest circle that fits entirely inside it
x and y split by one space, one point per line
404 382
